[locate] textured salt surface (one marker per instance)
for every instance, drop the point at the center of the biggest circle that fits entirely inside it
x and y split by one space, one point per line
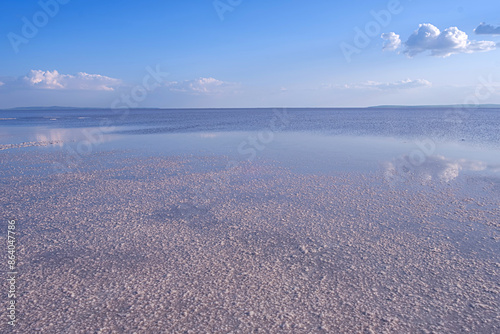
180 245
30 144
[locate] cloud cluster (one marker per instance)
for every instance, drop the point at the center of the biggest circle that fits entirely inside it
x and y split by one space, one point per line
200 86
402 84
55 81
81 81
487 29
439 43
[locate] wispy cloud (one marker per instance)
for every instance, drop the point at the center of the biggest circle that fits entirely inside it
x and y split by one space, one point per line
487 29
39 79
441 43
402 84
201 86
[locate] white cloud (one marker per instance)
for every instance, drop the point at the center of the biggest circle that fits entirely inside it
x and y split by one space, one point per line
1 84
402 84
487 29
81 81
200 86
442 43
393 41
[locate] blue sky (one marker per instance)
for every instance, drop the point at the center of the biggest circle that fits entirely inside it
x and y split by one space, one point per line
242 53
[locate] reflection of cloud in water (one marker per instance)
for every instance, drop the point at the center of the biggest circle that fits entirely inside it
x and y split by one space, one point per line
55 136
434 168
209 135
61 136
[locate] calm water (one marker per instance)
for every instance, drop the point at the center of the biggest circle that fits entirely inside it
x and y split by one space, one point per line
453 124
435 143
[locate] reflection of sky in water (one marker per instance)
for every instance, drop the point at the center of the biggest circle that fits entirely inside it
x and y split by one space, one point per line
312 152
301 151
59 136
437 168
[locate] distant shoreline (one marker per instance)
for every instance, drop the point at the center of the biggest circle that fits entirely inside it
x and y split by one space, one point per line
484 106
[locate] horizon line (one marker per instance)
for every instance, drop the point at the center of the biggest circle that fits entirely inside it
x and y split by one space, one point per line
486 105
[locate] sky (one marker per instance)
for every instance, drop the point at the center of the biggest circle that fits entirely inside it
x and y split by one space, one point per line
242 53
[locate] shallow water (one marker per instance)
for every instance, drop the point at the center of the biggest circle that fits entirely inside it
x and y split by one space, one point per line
471 124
